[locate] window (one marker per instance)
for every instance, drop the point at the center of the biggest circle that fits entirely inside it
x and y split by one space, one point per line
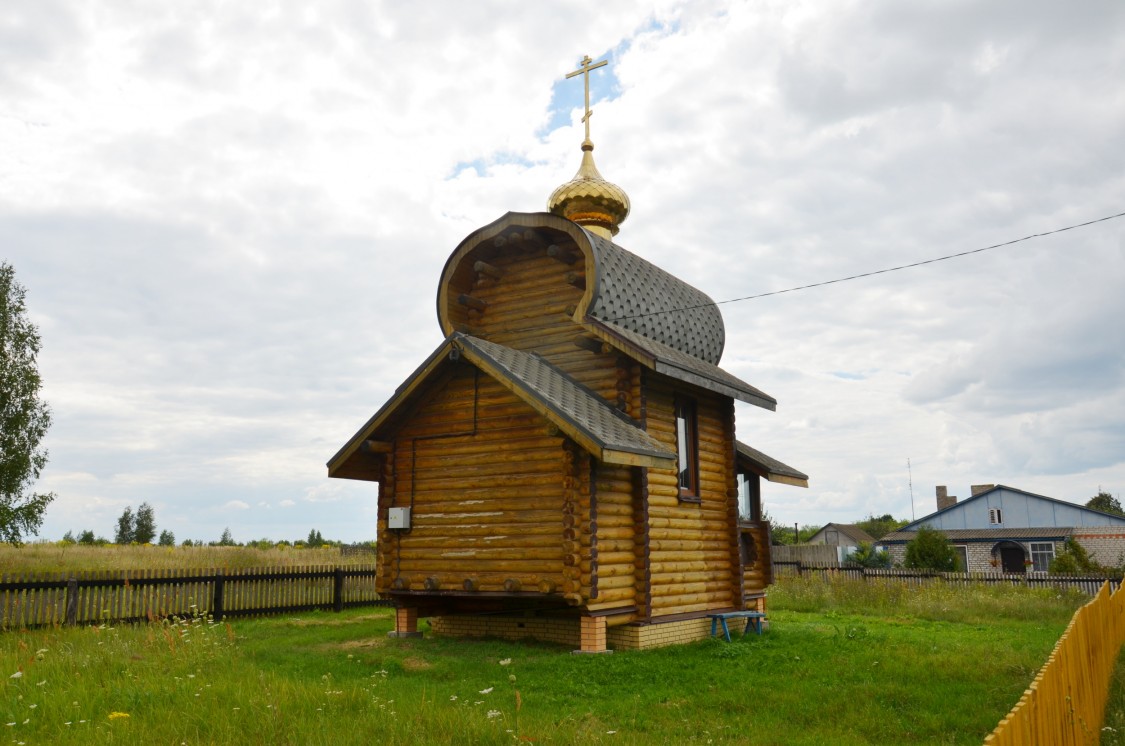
749 498
687 448
962 554
1041 555
994 517
832 536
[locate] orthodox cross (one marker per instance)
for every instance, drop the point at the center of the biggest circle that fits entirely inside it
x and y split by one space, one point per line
584 71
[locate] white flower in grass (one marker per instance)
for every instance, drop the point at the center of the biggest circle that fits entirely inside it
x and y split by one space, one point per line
452 697
16 675
493 714
506 662
488 690
610 732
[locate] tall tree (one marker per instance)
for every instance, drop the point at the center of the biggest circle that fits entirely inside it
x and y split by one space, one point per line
1105 502
24 417
126 527
167 538
144 527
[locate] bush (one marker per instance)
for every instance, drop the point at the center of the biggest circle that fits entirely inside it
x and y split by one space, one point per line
867 556
930 550
1074 560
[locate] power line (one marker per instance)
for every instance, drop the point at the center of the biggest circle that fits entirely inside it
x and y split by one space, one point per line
875 272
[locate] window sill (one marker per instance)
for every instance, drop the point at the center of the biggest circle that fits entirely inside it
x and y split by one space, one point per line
691 499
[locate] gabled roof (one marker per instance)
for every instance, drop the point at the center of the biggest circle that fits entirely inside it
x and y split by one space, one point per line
768 467
581 414
913 526
853 532
985 534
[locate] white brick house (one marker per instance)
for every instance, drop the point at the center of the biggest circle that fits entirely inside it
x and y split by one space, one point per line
1005 529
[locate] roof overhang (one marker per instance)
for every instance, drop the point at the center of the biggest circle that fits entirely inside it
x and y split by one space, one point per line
577 412
768 467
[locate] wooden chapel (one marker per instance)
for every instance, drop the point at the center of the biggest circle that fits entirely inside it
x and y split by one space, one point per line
564 465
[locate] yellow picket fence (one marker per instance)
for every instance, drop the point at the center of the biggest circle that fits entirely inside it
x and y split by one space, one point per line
1066 702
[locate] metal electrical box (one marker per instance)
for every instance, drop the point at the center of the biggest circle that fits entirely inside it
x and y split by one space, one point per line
398 518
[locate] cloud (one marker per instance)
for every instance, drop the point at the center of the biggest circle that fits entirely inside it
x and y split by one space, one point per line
231 225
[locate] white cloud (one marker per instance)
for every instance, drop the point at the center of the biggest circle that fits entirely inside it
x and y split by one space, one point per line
231 222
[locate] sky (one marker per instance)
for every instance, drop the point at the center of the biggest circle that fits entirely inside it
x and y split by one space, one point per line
231 218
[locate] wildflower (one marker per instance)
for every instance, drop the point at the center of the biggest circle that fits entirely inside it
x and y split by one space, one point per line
41 653
512 678
452 697
16 675
32 707
41 683
493 714
118 715
487 691
610 732
506 662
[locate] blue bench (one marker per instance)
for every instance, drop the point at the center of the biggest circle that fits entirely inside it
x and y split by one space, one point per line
753 619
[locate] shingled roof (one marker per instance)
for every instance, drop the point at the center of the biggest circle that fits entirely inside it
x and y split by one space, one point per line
636 295
580 413
769 467
986 534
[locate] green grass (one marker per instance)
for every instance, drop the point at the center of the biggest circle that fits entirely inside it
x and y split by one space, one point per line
862 669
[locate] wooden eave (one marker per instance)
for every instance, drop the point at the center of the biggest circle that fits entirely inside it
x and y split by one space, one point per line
349 461
645 357
353 462
767 467
536 221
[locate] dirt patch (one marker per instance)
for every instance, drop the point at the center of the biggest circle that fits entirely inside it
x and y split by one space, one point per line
416 664
363 644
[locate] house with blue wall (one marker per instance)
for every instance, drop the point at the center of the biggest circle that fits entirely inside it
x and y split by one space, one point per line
1004 529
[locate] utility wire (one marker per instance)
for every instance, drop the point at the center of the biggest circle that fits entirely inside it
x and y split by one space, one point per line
875 272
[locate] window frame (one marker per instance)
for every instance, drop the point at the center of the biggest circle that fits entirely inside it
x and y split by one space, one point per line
962 552
749 487
685 410
1035 548
995 517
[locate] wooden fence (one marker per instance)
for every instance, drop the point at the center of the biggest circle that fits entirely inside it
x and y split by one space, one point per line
40 599
1084 583
1065 704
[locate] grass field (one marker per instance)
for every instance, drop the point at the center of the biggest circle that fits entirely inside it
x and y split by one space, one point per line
842 663
59 558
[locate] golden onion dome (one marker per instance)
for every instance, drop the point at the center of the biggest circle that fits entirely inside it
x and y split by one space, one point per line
597 205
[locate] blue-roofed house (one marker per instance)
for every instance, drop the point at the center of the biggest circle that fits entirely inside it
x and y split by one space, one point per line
1002 528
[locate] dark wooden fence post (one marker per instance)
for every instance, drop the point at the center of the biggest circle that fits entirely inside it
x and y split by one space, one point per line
71 601
217 600
338 590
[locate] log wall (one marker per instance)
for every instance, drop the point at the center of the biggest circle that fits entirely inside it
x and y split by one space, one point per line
692 547
485 479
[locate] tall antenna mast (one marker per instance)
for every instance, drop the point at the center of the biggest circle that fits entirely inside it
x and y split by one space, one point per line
910 481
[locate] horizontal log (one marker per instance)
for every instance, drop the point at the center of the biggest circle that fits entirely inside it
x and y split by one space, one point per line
605 584
611 598
484 528
475 303
690 578
488 270
481 567
716 590
470 554
562 254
